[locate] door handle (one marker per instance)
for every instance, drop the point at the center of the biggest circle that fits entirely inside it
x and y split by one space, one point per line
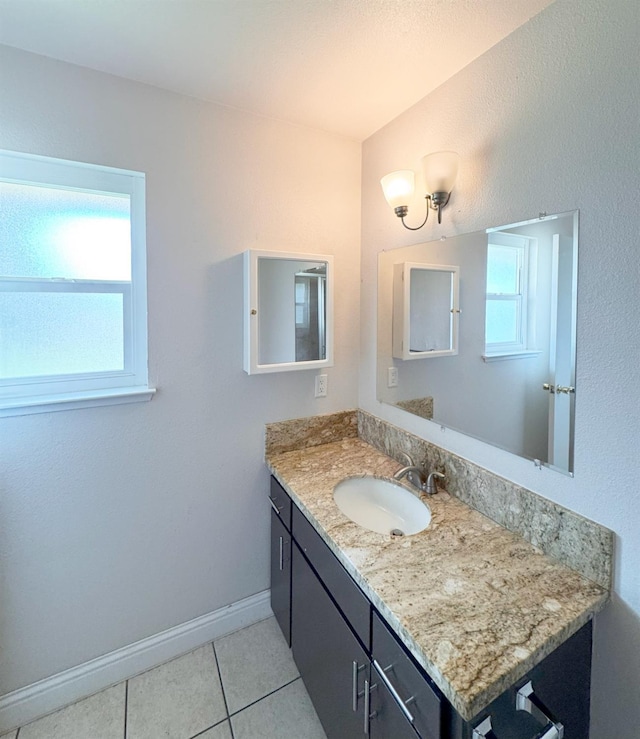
565 389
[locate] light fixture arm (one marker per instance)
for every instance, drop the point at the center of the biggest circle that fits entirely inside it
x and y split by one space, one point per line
402 210
436 200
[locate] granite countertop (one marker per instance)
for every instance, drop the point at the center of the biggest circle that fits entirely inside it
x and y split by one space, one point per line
476 605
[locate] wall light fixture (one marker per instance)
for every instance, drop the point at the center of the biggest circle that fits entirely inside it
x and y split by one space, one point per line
440 171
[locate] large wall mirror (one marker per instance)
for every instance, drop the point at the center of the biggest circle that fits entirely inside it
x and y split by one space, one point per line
288 311
512 381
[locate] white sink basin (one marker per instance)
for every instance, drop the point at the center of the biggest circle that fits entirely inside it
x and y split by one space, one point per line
381 505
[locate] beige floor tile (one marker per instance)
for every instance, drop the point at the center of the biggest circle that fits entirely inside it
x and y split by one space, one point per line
100 716
285 713
176 700
221 731
10 735
254 662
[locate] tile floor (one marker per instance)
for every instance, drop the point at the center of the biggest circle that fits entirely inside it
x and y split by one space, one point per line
242 686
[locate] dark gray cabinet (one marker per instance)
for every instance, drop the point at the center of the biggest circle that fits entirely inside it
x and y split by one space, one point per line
386 718
331 660
281 574
561 684
281 557
351 601
361 679
405 687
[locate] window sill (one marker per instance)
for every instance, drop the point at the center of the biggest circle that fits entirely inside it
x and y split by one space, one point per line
69 401
499 357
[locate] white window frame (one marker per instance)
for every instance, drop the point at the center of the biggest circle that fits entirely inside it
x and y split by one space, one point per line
26 395
523 297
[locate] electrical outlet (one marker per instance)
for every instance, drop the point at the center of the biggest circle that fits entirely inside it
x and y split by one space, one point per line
392 377
321 386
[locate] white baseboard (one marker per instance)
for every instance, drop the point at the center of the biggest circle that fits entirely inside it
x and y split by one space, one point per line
38 699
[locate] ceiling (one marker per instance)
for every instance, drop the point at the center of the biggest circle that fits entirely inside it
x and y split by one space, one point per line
344 66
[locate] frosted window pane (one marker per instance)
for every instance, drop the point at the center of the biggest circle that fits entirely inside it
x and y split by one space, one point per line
60 333
53 232
502 322
502 269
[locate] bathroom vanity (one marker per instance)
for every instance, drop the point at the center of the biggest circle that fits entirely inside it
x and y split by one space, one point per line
462 631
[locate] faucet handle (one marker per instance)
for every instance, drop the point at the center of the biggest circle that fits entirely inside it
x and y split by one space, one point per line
431 486
407 458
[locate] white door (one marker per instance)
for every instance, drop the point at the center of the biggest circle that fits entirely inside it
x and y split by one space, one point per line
562 352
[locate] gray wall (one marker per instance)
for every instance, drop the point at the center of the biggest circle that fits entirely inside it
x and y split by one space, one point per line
119 522
549 120
116 523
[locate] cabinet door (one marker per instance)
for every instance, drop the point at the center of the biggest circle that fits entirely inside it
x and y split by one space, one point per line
354 605
281 575
332 663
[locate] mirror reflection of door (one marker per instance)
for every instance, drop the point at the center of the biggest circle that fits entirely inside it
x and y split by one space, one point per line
561 366
310 314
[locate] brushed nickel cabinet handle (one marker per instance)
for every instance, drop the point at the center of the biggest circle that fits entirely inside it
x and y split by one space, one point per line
393 691
274 506
484 730
527 700
355 669
367 706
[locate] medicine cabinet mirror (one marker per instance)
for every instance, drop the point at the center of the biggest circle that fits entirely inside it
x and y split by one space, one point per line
425 310
510 379
288 306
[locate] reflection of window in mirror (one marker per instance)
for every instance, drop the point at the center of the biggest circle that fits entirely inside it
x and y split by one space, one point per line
510 300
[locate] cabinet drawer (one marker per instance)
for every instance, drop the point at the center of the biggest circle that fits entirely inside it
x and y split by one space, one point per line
347 595
408 681
281 502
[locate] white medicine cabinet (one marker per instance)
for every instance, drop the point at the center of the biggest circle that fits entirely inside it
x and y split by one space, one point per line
288 311
425 310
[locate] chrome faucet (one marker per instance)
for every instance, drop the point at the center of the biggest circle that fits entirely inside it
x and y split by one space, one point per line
417 477
413 473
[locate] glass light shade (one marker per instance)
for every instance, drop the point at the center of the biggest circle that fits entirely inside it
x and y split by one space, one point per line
440 171
398 187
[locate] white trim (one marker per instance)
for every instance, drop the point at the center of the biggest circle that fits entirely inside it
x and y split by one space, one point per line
38 699
251 356
34 170
499 356
69 401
